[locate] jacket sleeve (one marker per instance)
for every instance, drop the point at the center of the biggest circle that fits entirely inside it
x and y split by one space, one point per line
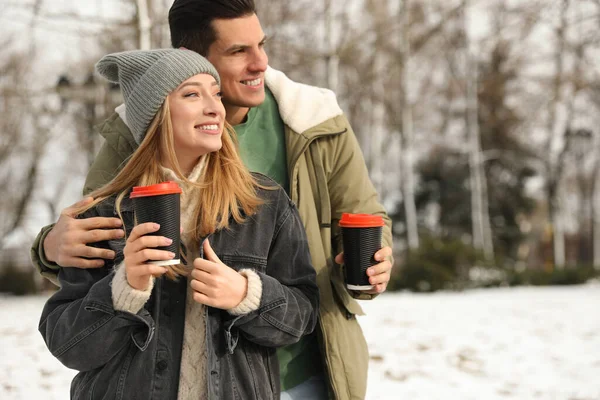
290 297
47 269
350 189
79 324
117 147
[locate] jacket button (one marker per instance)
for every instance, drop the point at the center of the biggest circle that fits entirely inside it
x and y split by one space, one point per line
161 365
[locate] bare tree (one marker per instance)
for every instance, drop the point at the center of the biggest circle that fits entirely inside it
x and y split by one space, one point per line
480 218
408 181
554 162
144 24
332 59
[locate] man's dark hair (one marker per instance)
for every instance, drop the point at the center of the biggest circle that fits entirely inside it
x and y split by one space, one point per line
190 21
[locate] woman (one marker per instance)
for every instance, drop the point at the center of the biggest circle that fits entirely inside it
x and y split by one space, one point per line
208 329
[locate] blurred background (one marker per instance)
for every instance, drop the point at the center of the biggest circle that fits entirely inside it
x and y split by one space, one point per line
479 122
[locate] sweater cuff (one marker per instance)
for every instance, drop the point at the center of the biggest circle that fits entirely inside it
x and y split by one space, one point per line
126 298
252 300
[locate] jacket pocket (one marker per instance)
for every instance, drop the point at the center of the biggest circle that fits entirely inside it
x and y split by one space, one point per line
242 262
344 299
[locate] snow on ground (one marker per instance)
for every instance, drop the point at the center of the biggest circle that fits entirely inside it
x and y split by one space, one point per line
524 343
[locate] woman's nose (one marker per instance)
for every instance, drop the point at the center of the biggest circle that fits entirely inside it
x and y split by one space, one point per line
213 107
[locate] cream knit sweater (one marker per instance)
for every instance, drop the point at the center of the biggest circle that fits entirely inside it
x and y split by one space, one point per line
192 377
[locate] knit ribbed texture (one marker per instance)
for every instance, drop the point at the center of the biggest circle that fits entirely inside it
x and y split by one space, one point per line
126 298
192 375
192 372
252 300
147 77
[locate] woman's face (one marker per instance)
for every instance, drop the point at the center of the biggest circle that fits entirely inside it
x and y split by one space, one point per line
197 116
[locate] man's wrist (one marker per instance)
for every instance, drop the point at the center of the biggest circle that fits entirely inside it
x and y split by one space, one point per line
49 247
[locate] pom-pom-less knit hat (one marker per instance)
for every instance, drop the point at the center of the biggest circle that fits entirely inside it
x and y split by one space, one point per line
147 77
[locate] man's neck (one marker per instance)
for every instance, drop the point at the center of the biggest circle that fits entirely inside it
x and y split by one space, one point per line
236 115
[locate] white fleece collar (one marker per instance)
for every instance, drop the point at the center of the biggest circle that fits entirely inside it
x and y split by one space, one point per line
122 113
301 106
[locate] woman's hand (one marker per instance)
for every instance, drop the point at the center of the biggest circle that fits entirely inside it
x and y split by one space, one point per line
139 249
215 284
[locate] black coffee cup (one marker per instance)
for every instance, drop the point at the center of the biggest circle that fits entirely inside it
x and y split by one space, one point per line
160 204
361 235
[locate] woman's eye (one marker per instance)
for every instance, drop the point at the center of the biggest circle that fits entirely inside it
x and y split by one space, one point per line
219 94
191 94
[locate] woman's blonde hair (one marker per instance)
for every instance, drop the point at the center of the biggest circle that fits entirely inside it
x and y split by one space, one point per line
228 188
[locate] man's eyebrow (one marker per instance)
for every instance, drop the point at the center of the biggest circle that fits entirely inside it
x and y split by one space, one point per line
235 47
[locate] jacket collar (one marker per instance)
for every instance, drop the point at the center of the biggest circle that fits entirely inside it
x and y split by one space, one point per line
301 106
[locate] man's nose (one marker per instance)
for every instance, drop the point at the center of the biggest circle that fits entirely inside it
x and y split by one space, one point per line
260 61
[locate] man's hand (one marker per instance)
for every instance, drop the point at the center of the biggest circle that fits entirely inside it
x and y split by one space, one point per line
66 243
215 284
140 247
379 274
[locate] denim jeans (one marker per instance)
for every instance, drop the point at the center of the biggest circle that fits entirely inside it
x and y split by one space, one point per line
312 389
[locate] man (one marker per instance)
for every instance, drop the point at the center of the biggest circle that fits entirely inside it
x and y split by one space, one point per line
297 135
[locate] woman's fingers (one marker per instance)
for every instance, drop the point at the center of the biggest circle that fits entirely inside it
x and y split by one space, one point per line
141 230
149 241
142 256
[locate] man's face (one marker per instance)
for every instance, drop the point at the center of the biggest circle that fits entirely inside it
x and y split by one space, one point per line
238 55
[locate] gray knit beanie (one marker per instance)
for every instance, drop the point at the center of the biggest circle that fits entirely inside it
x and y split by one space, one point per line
146 78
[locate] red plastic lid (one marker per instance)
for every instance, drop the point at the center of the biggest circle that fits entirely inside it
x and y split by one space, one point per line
169 187
360 221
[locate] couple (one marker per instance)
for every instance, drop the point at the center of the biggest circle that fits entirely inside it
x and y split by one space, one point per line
292 133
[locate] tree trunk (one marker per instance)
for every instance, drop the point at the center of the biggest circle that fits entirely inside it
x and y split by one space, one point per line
331 58
144 25
408 183
480 218
596 216
554 163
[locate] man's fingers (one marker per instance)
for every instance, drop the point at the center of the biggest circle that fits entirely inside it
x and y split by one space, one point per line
100 235
94 252
379 269
383 253
141 230
339 259
379 279
82 263
99 223
377 289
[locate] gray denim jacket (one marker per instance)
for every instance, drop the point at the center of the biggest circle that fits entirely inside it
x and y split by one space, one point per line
137 356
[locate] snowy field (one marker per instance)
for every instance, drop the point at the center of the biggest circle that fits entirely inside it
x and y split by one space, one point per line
525 343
